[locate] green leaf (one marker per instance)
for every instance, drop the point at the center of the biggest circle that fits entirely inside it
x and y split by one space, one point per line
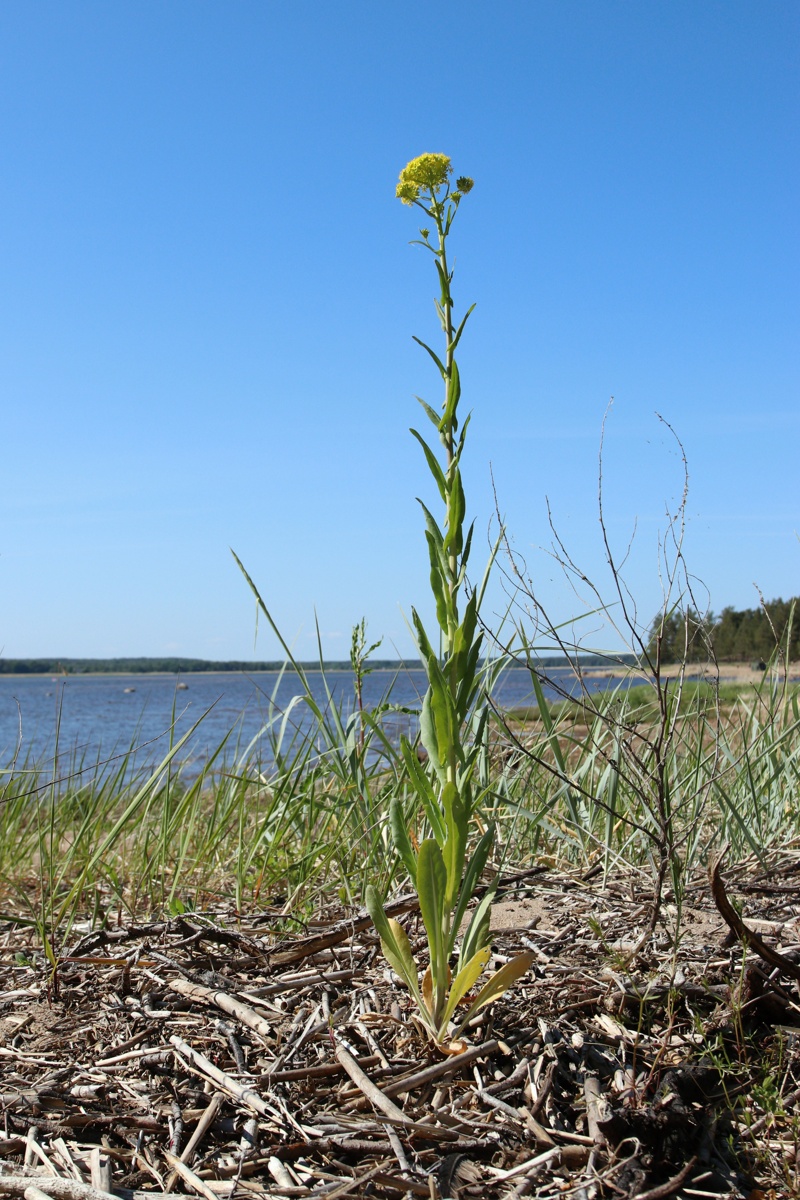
422 786
431 887
441 592
440 311
442 711
433 464
456 510
431 413
499 983
470 685
444 283
463 982
423 641
402 842
453 396
430 523
462 436
465 643
456 817
394 942
429 737
472 876
477 935
434 356
462 570
460 330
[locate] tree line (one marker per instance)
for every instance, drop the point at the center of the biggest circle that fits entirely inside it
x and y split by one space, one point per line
735 635
188 666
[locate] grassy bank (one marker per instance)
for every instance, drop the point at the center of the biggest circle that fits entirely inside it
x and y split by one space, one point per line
575 783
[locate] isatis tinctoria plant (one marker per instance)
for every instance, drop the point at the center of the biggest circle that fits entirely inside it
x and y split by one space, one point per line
444 867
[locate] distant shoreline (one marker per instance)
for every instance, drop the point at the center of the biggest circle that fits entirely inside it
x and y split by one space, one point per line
170 665
743 673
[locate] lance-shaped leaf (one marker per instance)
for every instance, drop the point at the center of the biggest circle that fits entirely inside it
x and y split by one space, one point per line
472 878
477 935
423 641
422 786
433 464
465 634
463 983
433 355
444 282
427 994
456 510
499 983
429 736
430 524
441 313
402 842
463 659
431 413
444 718
394 942
441 592
462 571
470 683
462 436
460 330
453 396
437 716
456 817
431 887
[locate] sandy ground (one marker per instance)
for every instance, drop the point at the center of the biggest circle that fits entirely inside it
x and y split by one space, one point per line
726 673
618 1065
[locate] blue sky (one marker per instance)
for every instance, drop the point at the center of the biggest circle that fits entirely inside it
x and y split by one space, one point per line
208 299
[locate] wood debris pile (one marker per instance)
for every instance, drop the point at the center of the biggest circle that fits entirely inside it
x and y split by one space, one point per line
208 1056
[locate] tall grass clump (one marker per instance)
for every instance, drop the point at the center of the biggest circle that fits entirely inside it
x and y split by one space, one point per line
117 840
659 771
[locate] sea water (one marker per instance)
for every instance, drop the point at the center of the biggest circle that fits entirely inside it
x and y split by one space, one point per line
99 718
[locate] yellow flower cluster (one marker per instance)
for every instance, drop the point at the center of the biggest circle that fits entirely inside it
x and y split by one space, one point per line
428 172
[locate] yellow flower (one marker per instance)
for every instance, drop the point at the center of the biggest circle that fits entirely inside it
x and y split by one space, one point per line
427 172
407 192
465 184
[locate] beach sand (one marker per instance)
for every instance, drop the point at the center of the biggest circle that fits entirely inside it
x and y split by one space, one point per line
725 672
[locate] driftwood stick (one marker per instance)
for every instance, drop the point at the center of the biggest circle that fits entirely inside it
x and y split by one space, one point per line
100 1168
594 1100
203 1125
340 932
445 1067
373 1093
53 1186
188 1176
204 1066
229 1004
665 1190
743 933
530 1164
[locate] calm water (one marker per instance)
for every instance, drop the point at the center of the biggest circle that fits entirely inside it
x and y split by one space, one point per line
99 716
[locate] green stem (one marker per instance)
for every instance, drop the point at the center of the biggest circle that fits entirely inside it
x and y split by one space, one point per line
452 558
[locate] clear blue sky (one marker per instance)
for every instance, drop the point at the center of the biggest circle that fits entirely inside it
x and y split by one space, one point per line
208 299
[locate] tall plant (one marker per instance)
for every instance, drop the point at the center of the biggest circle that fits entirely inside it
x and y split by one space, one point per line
454 711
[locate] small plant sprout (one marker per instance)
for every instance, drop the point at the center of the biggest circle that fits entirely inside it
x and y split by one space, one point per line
455 708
